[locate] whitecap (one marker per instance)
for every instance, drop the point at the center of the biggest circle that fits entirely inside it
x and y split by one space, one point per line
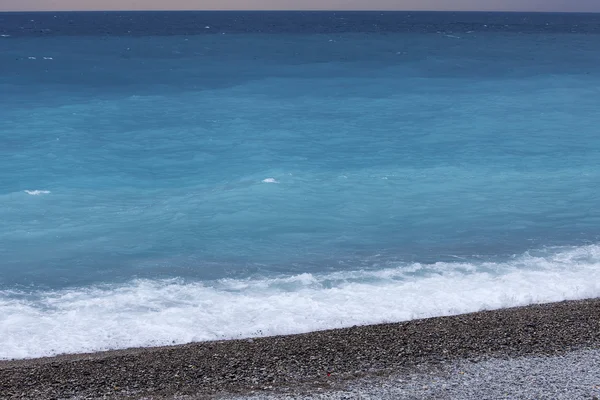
270 180
37 192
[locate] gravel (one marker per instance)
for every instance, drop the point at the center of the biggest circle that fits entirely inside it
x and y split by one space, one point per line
319 361
569 377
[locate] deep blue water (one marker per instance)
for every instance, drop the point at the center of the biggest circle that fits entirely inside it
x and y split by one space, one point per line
190 176
152 23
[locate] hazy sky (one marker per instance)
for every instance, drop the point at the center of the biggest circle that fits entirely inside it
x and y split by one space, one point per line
500 5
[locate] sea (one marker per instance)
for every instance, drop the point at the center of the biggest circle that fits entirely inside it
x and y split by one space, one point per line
169 177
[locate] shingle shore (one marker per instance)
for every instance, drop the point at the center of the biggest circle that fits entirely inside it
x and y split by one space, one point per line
571 376
317 359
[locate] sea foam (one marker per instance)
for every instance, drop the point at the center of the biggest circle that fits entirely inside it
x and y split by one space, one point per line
37 192
161 312
270 180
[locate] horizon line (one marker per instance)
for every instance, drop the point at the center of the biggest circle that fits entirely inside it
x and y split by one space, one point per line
304 10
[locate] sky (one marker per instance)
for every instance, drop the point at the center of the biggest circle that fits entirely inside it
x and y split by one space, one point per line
462 5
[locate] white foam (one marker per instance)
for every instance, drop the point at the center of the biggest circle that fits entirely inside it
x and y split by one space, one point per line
37 192
270 180
146 312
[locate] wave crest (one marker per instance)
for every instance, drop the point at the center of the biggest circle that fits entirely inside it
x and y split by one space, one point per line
152 312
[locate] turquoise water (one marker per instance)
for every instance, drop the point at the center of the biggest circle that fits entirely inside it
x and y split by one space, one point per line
162 189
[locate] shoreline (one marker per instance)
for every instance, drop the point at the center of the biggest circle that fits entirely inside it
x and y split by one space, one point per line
321 359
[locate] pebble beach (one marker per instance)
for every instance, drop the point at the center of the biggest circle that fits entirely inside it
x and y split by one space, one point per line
538 351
